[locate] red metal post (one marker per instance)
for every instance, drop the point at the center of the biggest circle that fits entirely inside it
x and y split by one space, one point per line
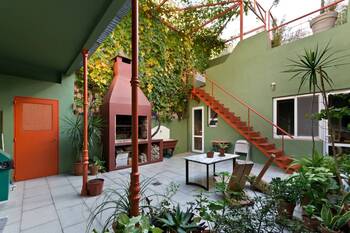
241 20
85 133
135 175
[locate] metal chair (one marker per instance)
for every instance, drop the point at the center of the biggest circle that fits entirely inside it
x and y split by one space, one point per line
242 147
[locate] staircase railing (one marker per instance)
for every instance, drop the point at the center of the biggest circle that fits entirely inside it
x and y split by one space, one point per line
213 86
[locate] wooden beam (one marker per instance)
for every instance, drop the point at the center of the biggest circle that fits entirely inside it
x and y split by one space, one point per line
194 7
216 17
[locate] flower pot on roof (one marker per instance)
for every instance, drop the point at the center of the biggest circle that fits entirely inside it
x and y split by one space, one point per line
325 21
210 154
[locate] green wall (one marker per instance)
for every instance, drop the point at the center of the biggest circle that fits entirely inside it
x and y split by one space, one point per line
63 92
248 73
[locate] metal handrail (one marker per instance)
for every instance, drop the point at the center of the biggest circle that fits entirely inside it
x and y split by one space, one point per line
303 16
250 109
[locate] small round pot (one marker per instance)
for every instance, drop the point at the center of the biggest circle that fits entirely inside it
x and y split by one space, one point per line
222 152
285 209
210 154
93 169
95 186
311 223
324 229
78 168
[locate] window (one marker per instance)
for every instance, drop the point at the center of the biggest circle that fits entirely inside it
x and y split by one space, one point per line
212 118
294 115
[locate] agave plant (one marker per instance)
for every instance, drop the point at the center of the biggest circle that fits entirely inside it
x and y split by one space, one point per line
179 221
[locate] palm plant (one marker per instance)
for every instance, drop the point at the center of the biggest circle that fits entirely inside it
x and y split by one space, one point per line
74 131
312 68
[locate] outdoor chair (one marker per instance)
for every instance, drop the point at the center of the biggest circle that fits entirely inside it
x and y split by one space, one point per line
242 147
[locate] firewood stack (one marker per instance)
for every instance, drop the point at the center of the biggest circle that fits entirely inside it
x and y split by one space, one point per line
155 152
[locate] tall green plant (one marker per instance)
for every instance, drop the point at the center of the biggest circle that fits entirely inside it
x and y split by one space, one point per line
312 68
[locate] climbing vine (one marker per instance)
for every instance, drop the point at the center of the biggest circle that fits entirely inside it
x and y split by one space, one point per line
169 56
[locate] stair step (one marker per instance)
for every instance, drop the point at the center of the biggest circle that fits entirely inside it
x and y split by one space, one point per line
267 146
246 129
259 139
253 134
277 152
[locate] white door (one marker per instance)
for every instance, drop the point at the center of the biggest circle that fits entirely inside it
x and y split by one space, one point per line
198 129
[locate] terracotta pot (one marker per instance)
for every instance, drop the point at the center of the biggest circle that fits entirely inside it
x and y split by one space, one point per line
210 154
95 186
93 169
285 209
324 229
78 168
311 223
323 22
222 152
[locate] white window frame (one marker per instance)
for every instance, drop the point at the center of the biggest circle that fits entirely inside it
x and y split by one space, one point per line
296 136
215 119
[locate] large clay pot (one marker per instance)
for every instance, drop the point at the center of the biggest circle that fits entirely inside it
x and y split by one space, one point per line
210 154
323 229
95 186
311 223
78 168
323 22
285 209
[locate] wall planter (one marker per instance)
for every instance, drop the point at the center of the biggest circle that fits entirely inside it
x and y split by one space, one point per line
324 22
78 168
222 152
95 186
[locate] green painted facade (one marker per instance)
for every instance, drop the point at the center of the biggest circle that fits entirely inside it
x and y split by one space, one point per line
248 72
63 92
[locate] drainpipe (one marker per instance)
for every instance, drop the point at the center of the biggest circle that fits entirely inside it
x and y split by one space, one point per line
241 9
135 175
85 133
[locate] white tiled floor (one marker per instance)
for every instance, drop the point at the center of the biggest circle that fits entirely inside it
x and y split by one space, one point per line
53 204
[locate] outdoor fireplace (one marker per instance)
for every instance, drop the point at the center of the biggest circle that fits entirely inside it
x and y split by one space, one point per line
117 114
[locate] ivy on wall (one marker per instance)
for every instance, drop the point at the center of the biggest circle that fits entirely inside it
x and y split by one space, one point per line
168 58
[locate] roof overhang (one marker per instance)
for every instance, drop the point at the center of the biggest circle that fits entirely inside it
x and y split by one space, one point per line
43 39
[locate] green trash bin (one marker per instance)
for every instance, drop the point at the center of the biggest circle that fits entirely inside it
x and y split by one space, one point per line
5 170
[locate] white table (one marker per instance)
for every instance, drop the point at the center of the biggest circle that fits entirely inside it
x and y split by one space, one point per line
203 159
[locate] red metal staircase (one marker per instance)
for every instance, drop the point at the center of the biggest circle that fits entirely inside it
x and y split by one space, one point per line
244 128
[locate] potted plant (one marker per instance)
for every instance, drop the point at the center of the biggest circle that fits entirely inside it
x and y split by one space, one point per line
95 186
222 147
74 131
333 222
210 154
286 193
309 217
326 20
96 166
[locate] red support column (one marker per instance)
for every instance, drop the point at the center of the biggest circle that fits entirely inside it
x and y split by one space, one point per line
135 175
85 133
241 9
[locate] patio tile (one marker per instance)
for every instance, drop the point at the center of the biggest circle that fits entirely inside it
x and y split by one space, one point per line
60 190
66 200
12 228
73 215
55 181
50 227
35 183
13 215
38 217
32 192
81 227
37 201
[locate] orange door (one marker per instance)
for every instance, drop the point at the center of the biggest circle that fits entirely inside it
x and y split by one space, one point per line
36 137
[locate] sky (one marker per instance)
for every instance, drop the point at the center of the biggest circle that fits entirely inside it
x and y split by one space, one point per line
286 9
